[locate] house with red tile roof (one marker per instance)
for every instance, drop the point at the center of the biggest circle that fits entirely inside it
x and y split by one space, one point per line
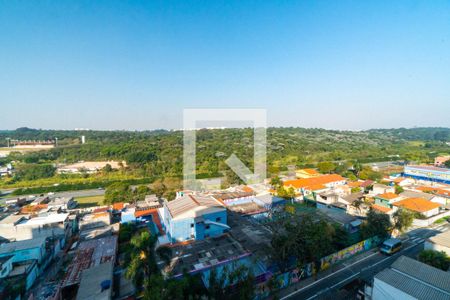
419 205
305 186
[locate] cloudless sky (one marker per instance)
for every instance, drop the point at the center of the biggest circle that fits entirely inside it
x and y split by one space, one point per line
138 64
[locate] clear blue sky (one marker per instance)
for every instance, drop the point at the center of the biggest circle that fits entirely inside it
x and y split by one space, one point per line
138 64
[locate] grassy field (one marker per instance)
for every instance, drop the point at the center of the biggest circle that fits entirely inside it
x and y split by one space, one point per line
90 201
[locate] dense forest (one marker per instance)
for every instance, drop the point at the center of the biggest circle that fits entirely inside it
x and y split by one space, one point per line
159 154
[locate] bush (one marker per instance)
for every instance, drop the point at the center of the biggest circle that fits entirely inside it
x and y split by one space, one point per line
435 259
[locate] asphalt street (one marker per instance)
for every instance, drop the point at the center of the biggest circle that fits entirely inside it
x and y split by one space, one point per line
363 269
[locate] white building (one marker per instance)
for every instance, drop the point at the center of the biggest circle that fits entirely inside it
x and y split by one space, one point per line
409 279
440 242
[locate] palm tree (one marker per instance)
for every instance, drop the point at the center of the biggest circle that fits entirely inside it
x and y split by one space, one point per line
142 262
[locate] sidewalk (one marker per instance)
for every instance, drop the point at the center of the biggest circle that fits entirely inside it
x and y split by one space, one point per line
327 273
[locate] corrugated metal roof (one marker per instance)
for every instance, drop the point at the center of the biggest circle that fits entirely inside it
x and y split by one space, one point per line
190 202
417 279
423 271
411 286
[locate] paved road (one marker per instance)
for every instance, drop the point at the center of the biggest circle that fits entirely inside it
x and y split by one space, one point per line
364 269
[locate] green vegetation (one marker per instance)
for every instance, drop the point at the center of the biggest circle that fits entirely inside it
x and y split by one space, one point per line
90 201
376 224
436 259
442 220
159 154
306 239
403 219
140 258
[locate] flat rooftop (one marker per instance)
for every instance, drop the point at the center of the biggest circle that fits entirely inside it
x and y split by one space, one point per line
92 279
200 255
442 239
7 248
254 238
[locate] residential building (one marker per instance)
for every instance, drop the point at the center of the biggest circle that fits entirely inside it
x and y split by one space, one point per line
96 282
379 188
410 279
25 260
429 173
355 204
306 186
268 201
90 253
387 199
24 227
403 181
63 203
193 217
439 242
419 205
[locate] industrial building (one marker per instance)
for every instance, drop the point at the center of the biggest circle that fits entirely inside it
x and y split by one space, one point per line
429 173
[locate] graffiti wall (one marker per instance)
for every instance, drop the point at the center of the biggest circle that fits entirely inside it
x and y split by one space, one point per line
293 276
346 253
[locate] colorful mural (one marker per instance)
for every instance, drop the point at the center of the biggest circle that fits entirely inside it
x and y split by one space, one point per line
296 275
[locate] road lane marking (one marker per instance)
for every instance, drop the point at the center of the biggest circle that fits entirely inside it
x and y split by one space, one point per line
366 268
323 278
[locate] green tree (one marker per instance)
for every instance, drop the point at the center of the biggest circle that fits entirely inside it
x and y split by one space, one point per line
107 168
368 173
376 224
235 281
276 181
355 189
398 189
326 167
286 193
436 259
165 253
33 171
403 219
142 262
447 163
307 240
118 192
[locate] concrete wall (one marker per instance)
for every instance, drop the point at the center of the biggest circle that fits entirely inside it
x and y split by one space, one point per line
431 213
31 277
432 246
429 221
186 229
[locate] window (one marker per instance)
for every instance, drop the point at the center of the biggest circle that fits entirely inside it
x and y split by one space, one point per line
207 227
218 219
192 225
